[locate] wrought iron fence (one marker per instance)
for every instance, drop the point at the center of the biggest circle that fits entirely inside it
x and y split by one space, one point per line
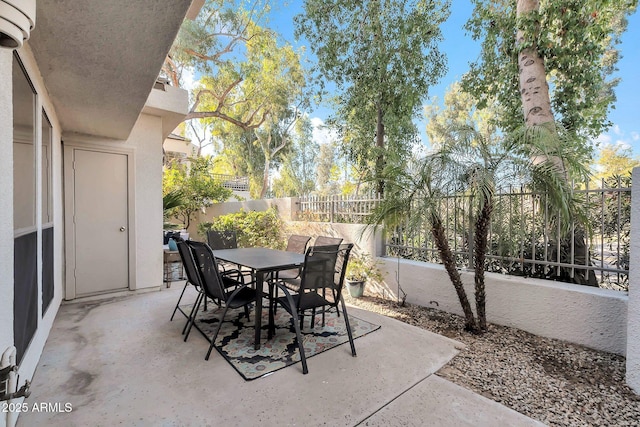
525 238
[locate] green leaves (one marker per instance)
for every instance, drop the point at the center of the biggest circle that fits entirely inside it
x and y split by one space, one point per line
261 229
577 40
382 55
191 189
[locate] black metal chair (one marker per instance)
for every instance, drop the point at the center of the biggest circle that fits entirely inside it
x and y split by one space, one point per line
193 278
214 286
227 239
322 281
297 244
292 280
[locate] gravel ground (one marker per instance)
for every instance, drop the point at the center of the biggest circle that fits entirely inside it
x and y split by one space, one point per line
557 383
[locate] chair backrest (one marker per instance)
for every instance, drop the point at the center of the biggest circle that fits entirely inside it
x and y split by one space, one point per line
341 268
222 239
297 243
327 241
207 267
318 270
193 276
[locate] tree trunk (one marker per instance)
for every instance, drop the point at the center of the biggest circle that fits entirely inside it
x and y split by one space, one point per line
480 254
536 107
380 145
449 261
265 178
534 90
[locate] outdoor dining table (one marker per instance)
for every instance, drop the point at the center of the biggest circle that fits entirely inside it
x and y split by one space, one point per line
261 261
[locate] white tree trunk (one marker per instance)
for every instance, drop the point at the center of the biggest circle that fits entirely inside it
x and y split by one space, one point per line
265 177
534 90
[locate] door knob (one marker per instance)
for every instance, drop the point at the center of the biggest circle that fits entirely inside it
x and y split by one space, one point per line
123 228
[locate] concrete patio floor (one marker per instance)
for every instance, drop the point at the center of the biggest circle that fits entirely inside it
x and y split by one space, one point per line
119 360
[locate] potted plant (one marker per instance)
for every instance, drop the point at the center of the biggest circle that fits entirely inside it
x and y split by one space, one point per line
359 269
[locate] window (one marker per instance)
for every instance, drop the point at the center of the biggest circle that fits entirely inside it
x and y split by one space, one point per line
24 154
25 243
46 198
47 201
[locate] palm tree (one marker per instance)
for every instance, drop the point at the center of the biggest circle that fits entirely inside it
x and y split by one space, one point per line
171 200
414 194
472 164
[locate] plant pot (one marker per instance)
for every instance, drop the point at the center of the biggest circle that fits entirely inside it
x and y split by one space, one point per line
356 288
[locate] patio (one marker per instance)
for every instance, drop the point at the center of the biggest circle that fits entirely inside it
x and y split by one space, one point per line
120 360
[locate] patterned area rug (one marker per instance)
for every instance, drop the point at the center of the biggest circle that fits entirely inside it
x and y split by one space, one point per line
235 340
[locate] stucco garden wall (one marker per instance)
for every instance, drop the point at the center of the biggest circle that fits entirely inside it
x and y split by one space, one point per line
592 317
365 239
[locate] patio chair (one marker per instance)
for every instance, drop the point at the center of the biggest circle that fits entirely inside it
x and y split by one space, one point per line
227 239
320 288
292 281
193 279
297 244
214 286
291 278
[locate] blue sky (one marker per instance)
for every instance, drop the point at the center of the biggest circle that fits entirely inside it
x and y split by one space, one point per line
461 50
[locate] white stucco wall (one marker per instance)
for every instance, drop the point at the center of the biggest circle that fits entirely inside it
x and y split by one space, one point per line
633 317
286 207
592 317
6 199
365 240
179 146
146 137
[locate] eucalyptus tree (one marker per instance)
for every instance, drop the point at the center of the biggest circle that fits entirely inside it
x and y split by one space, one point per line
558 57
546 61
248 79
297 174
382 56
326 169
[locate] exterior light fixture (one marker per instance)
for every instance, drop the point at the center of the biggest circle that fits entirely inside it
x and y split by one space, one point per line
17 19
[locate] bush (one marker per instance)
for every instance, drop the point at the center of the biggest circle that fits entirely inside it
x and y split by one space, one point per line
253 228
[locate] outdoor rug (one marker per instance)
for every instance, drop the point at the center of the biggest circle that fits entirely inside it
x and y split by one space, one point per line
236 337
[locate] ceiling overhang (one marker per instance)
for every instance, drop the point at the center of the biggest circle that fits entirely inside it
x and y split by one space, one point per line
100 59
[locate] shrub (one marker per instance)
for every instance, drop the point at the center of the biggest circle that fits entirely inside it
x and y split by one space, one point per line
253 228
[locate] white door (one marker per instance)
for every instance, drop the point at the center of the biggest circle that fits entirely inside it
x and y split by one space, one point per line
100 221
